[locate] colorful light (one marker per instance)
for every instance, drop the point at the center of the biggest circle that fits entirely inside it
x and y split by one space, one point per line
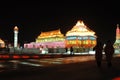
80 35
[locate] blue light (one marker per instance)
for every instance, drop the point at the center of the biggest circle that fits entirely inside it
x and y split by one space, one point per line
80 38
92 38
71 38
85 38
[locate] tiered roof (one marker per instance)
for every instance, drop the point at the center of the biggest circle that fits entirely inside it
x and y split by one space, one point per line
80 29
54 33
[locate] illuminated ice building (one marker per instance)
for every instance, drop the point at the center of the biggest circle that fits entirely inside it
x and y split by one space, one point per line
51 39
80 36
49 42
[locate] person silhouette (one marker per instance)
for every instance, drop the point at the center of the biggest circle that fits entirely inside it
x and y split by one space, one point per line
66 49
71 50
109 51
98 53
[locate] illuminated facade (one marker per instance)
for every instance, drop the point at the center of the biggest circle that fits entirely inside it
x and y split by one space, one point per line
80 36
51 39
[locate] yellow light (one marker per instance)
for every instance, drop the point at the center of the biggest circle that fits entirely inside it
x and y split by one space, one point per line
79 23
55 33
15 28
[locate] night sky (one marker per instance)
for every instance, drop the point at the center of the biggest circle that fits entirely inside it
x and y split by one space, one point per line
34 17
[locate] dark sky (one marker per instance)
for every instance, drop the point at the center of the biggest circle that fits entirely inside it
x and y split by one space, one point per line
34 17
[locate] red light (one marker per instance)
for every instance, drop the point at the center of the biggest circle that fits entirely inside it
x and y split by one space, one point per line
16 56
5 56
117 78
35 56
25 56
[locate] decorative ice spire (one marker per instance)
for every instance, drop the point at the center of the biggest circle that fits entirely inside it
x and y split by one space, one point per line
80 26
118 32
79 23
15 36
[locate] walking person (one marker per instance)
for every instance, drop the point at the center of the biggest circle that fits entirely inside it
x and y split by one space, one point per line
98 53
109 51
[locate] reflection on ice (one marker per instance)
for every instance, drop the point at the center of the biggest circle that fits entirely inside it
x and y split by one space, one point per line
31 64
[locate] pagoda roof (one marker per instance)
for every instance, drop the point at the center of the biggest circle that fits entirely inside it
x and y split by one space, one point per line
53 33
80 29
